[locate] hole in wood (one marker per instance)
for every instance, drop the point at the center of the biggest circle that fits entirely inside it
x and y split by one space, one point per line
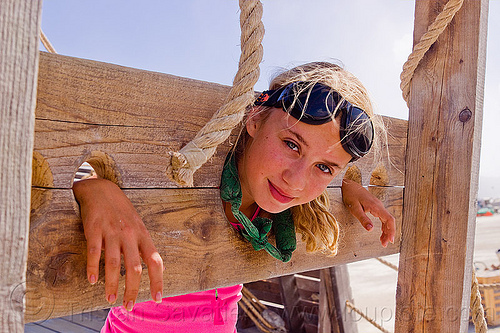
98 165
354 174
85 171
41 175
380 179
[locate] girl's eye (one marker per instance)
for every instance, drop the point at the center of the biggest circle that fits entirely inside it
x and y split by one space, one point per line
324 168
292 145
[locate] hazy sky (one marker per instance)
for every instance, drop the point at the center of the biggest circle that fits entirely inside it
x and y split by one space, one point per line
200 39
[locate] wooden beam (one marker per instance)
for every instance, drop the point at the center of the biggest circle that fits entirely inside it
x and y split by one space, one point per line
335 290
124 121
136 117
190 232
19 29
291 299
442 173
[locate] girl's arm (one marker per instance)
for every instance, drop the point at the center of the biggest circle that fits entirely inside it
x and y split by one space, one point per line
112 224
359 202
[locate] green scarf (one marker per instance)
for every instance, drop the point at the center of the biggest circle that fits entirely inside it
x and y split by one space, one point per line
256 231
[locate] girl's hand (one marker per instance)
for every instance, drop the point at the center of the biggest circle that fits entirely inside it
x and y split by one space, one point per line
359 202
111 223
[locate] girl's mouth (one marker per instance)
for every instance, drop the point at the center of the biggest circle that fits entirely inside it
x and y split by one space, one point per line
278 194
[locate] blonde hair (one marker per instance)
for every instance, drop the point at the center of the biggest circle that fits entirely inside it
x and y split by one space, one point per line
313 220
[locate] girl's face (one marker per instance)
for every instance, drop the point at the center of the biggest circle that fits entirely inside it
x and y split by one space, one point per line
287 162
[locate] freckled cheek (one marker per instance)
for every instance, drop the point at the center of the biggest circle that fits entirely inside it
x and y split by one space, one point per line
316 188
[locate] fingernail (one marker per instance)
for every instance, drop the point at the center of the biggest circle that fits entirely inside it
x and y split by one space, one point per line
369 226
93 280
130 306
158 297
392 239
112 299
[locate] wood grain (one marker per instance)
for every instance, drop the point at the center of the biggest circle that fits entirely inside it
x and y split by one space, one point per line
19 25
189 230
124 121
335 290
136 117
441 173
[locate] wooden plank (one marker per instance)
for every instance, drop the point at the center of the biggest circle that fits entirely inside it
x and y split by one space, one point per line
307 284
265 290
19 29
190 232
314 273
441 173
335 290
36 328
291 298
63 325
136 117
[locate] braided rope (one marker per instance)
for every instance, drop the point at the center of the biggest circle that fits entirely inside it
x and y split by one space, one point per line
191 157
371 321
46 43
476 306
489 285
254 319
385 262
426 41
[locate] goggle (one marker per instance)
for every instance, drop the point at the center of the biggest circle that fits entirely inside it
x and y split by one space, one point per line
318 105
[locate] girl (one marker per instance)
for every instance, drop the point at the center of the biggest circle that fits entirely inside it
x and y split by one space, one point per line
303 132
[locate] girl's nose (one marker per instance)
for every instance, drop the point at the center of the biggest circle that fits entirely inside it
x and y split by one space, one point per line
295 176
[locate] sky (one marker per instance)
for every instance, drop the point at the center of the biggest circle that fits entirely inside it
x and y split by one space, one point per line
200 39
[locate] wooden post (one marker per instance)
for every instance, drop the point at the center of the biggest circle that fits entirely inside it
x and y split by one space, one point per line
335 290
291 298
442 173
20 26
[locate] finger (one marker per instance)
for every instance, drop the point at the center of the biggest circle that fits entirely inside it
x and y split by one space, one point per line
112 262
94 246
133 270
155 269
388 224
359 213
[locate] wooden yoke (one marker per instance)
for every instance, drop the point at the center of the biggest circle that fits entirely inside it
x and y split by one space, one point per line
124 121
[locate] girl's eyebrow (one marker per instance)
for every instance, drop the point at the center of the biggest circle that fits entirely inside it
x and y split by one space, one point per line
304 142
299 137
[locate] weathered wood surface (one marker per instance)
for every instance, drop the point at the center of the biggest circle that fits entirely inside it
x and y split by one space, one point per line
335 290
136 117
441 173
19 28
124 121
290 296
190 232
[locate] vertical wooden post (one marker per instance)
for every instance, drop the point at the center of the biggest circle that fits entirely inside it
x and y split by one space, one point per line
19 29
291 298
334 291
442 165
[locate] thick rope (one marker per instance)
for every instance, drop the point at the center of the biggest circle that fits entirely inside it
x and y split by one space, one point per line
371 321
489 285
253 318
385 262
46 43
426 41
191 157
477 311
